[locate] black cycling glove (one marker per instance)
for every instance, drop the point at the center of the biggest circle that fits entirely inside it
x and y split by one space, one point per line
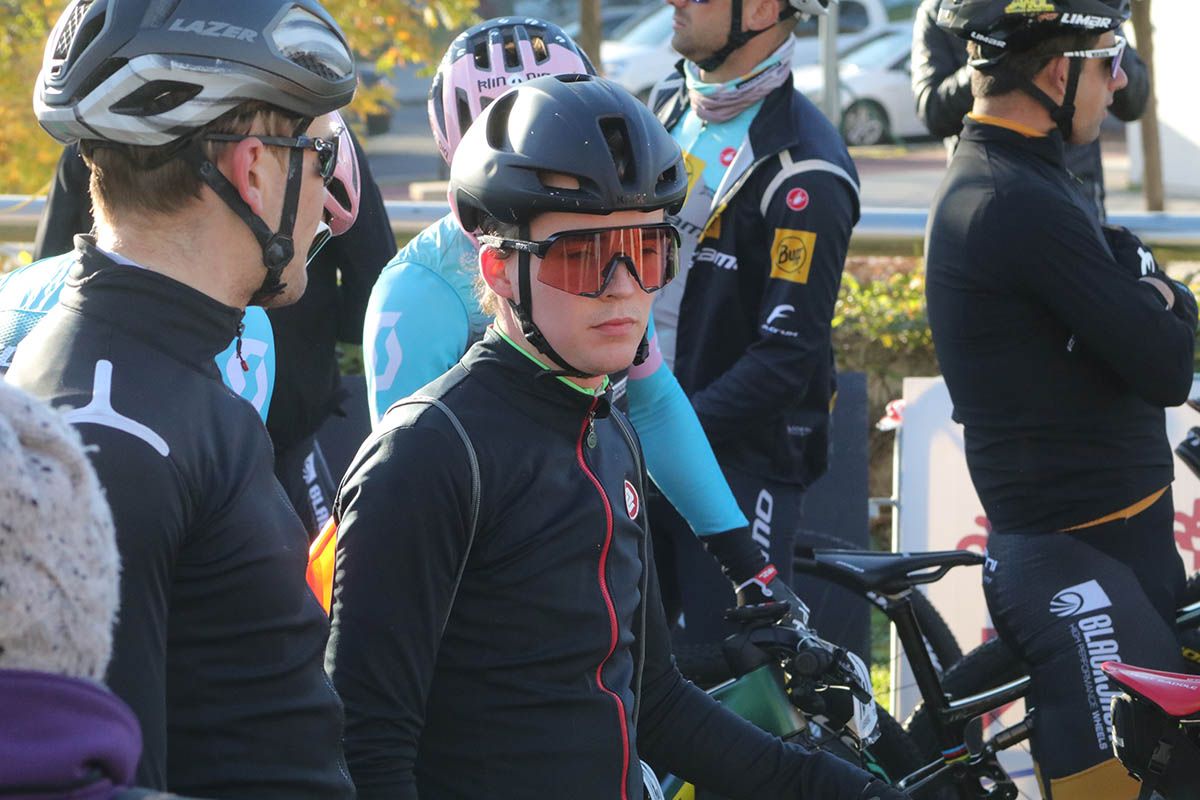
1129 251
754 580
878 790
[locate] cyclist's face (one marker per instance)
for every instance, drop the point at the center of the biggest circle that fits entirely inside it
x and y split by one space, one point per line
599 335
308 214
1095 94
699 29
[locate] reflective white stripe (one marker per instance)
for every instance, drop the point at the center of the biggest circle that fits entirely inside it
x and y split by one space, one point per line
100 411
790 168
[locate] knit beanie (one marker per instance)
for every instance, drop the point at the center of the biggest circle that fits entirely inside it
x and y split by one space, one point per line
58 554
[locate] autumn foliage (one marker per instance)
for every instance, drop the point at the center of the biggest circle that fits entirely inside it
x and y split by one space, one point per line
388 33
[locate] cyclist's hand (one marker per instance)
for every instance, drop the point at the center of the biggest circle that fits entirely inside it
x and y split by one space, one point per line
768 587
878 790
1129 251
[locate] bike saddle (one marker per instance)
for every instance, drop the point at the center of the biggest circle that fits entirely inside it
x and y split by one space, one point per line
1177 695
886 573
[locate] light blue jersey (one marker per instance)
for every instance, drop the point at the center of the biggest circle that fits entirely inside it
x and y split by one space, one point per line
27 294
423 315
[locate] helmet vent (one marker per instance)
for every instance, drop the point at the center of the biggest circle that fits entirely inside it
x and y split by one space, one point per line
156 97
512 57
616 137
314 64
482 56
67 37
463 107
541 52
497 122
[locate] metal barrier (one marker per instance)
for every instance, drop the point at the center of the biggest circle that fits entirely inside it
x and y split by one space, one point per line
901 227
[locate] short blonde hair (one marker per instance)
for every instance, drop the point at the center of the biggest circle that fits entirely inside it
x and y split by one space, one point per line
127 178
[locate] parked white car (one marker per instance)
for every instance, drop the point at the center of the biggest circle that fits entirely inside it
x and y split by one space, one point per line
642 56
875 87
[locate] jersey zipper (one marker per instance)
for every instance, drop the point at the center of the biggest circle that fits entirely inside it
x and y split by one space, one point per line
604 592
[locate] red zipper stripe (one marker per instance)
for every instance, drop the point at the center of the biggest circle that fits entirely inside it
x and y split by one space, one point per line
612 611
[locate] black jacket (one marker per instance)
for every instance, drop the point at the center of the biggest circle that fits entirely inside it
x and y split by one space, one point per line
526 683
1059 360
219 641
753 348
941 81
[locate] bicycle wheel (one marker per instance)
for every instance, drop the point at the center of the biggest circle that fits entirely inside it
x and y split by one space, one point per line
991 664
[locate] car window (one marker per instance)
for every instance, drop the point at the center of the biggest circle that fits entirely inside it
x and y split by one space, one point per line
899 10
880 52
852 17
653 30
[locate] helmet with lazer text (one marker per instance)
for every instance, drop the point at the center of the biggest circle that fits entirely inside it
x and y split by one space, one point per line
149 72
487 60
584 128
1002 27
153 73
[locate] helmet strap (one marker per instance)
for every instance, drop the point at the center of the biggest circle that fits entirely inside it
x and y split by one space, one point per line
737 37
523 310
1062 114
278 247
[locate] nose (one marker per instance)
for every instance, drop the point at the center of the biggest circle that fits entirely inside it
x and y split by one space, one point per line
678 3
1121 81
622 284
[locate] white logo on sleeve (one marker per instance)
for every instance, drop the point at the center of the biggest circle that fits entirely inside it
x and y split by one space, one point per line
1148 264
779 312
393 353
1079 599
100 411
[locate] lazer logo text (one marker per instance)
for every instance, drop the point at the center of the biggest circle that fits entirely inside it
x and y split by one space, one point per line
217 30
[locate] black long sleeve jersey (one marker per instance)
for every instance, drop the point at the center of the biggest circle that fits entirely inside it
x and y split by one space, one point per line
218 646
524 682
1058 359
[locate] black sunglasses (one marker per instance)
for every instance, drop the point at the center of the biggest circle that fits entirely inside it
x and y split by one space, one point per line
326 149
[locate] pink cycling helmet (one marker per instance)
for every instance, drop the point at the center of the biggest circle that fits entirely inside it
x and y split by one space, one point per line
487 60
341 195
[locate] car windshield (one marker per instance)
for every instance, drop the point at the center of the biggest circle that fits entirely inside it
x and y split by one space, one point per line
652 30
878 53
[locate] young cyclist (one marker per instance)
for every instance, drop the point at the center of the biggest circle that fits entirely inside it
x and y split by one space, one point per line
1061 344
424 313
497 630
209 154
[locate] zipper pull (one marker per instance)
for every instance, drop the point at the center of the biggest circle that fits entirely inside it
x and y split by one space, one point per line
240 330
591 434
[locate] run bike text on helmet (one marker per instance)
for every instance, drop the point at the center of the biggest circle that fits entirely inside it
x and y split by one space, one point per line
485 61
152 73
584 127
1002 27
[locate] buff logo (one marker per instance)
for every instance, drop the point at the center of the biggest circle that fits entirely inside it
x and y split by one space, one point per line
791 254
508 80
1088 21
218 30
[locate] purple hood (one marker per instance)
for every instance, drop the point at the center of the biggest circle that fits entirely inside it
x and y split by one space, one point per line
64 738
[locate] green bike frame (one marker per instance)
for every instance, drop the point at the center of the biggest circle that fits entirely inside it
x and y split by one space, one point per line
757 696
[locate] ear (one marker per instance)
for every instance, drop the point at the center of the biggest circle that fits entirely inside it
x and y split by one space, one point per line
1055 74
494 269
759 14
244 164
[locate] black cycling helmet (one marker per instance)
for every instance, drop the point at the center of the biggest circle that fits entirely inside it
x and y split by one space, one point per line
148 72
152 73
565 124
581 126
738 37
1001 27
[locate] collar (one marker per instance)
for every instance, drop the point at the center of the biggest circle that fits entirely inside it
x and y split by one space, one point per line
1048 147
64 734
520 378
1012 125
691 72
183 322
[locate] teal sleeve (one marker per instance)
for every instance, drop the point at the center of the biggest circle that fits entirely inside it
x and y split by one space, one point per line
256 384
678 455
415 329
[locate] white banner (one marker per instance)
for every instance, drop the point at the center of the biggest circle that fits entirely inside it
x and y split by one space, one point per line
939 510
